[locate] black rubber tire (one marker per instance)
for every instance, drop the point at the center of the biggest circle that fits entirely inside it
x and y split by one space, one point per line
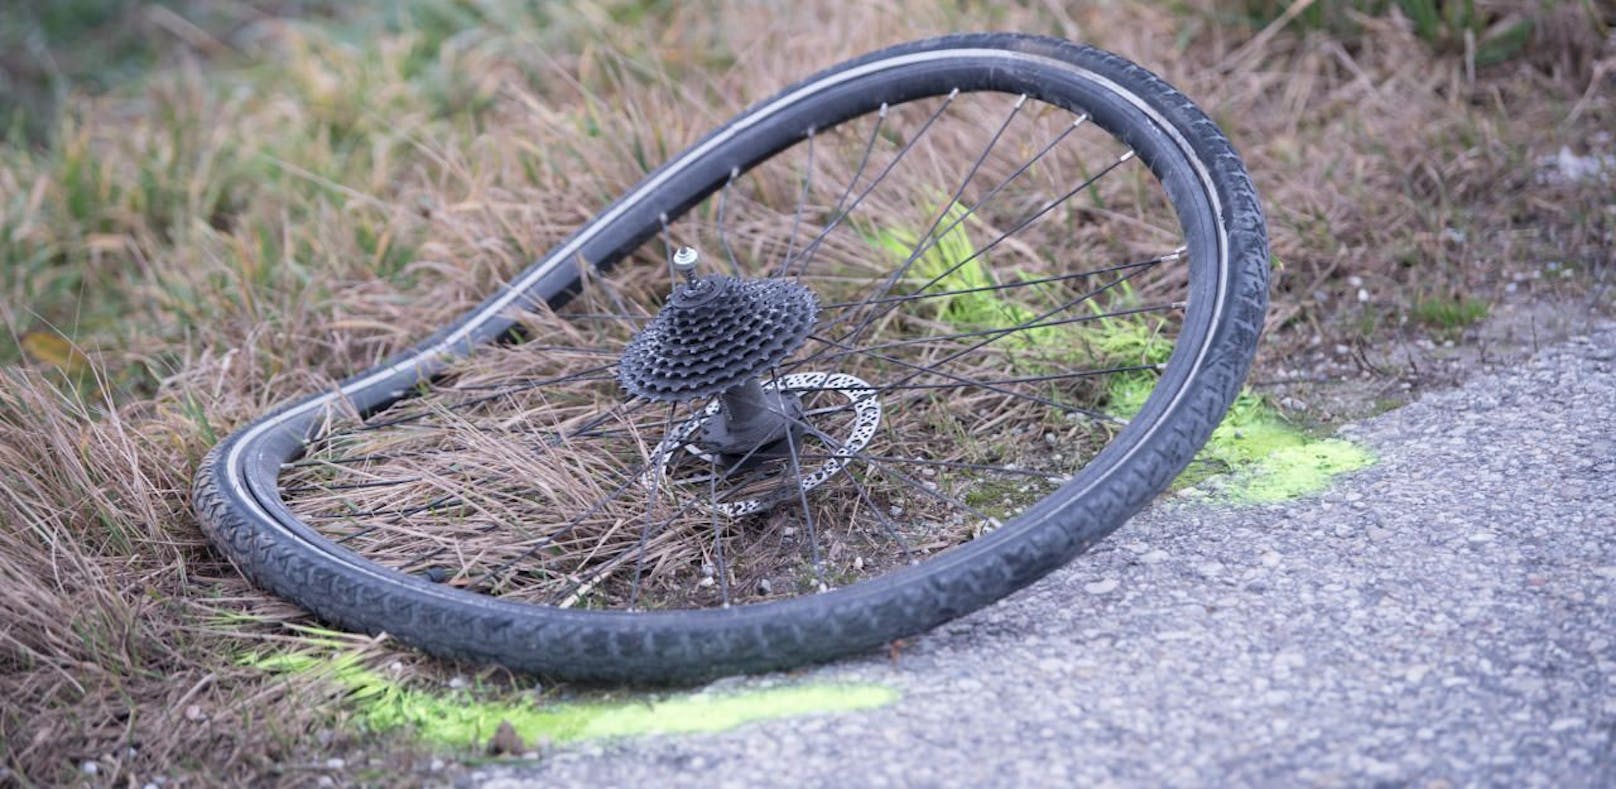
240 509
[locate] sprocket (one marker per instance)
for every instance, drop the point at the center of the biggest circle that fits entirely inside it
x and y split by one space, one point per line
714 334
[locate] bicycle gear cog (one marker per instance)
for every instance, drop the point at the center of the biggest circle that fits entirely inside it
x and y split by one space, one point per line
714 334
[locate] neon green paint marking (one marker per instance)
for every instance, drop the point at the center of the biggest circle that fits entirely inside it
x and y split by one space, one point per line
1289 472
1259 456
456 719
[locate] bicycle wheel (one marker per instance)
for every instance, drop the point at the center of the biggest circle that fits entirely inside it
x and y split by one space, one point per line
949 314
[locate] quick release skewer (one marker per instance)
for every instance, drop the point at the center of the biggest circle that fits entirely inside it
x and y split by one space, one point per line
684 262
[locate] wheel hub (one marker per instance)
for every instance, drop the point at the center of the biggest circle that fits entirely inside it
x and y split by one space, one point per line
715 337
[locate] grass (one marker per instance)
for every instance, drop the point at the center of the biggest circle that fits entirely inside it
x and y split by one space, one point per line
186 241
1448 316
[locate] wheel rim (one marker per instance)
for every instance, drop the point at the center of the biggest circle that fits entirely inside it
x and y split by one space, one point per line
601 317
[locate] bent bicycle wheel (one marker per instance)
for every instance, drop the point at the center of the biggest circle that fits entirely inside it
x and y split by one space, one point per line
880 351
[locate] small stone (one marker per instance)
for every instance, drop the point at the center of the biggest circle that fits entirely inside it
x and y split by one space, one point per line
765 587
324 781
1104 586
1156 556
895 510
335 763
858 563
458 682
1481 537
89 767
435 765
194 713
1567 724
706 582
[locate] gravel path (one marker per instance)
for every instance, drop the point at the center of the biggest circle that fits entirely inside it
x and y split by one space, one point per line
1446 617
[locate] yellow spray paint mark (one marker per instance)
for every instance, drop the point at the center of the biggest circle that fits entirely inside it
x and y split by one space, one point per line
1254 456
1292 471
458 720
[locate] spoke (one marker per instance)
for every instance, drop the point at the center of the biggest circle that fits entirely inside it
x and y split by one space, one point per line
964 381
875 133
587 428
849 351
1025 283
911 481
657 528
931 237
802 495
606 316
990 336
935 238
1045 209
723 238
995 335
668 249
886 523
808 250
802 203
657 461
718 536
1011 470
991 384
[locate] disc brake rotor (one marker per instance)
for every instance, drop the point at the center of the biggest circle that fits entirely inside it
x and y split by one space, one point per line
677 445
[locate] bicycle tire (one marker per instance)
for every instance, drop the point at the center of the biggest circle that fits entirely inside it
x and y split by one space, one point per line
241 511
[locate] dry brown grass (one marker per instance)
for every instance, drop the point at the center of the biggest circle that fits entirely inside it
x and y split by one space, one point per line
217 242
